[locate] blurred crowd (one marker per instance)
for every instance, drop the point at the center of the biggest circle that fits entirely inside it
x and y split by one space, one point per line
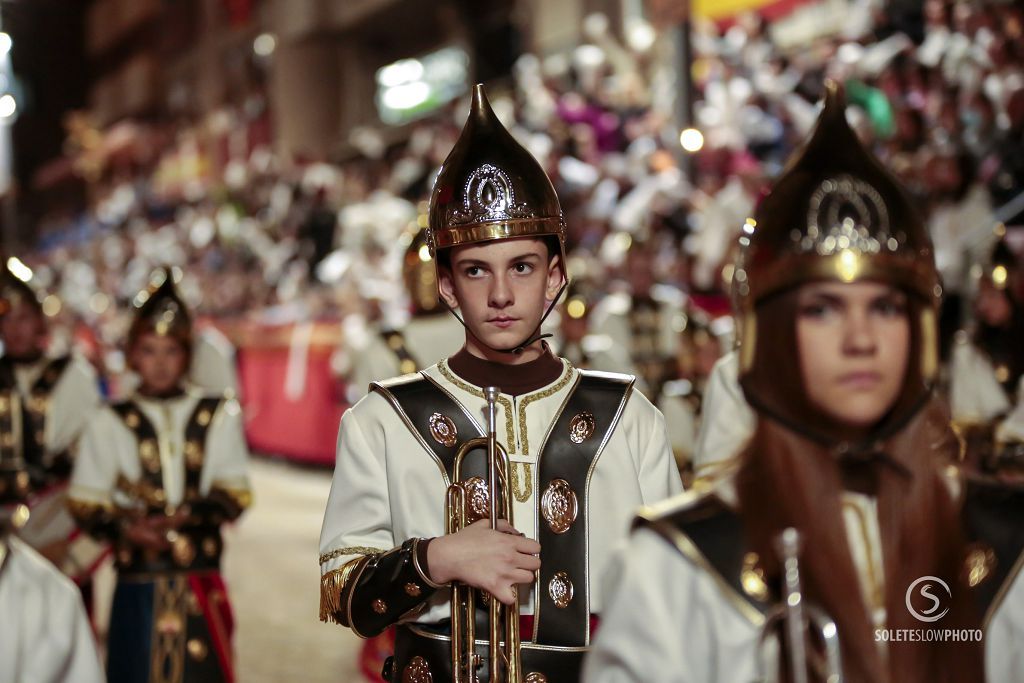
939 98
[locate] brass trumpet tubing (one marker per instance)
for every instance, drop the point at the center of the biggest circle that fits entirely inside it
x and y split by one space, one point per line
789 549
797 618
504 644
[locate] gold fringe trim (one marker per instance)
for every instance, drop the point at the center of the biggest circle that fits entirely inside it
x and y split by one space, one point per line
86 511
332 585
355 550
242 497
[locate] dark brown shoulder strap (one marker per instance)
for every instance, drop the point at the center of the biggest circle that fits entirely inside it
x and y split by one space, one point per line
149 451
439 422
196 430
395 341
50 376
710 534
37 409
992 515
573 446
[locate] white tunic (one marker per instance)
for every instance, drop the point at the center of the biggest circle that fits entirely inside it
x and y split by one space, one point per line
668 620
388 489
44 633
75 397
109 449
214 368
73 402
975 395
728 420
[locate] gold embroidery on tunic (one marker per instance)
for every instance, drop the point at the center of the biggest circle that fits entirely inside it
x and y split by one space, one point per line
506 404
521 494
550 391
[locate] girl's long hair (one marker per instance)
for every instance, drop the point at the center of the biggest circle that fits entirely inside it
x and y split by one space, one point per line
790 476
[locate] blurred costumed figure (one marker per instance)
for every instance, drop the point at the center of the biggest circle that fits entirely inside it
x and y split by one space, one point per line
846 492
987 364
497 235
682 397
430 334
645 319
45 403
158 475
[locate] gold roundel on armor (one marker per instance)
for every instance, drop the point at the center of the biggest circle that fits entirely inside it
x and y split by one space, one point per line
443 430
379 606
413 590
21 482
182 550
417 671
192 604
1002 373
197 649
193 455
581 427
7 440
535 677
394 342
19 516
478 499
132 420
407 366
210 546
559 506
38 404
124 557
560 590
979 564
203 418
752 578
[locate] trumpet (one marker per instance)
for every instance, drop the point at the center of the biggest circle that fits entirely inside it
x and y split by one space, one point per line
464 504
797 618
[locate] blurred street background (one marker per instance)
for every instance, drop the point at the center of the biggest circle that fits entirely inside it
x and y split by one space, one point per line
282 152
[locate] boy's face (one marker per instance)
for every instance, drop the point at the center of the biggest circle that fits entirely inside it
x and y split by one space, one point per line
161 362
501 288
23 330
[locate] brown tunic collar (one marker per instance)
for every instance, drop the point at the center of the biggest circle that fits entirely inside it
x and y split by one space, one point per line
514 380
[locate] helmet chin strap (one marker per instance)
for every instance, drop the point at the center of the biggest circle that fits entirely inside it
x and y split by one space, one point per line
534 336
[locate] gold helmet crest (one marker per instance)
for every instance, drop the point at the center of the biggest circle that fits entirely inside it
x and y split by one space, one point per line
160 309
835 214
491 188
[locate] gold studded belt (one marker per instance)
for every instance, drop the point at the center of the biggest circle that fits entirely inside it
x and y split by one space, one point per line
423 653
190 549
